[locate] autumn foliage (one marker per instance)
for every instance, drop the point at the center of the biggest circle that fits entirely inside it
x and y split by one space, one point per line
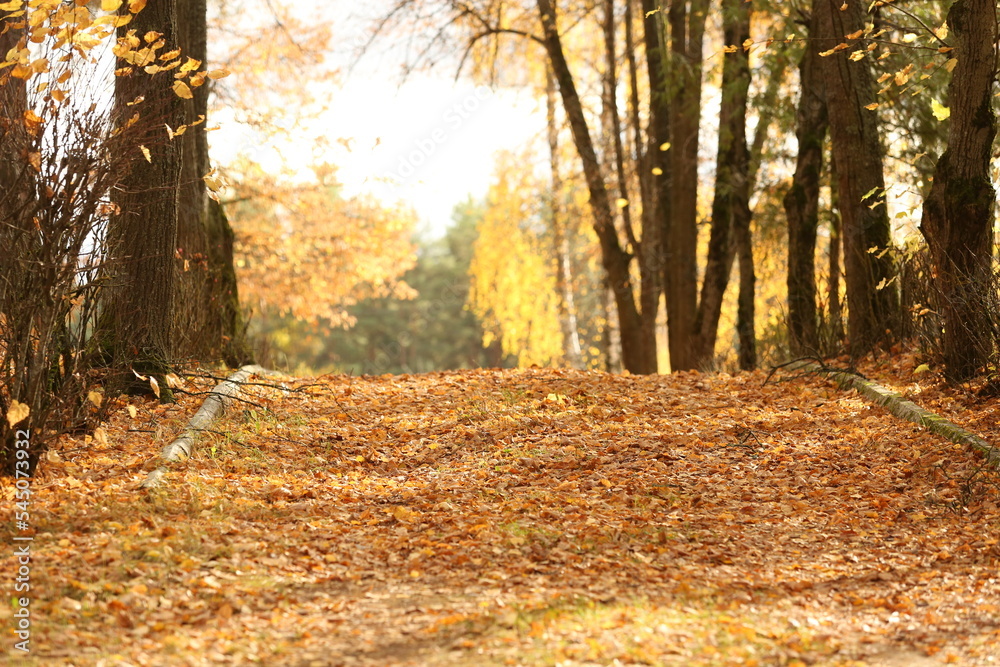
305 251
523 517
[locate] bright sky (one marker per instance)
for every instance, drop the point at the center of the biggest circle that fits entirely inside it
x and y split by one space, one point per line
427 142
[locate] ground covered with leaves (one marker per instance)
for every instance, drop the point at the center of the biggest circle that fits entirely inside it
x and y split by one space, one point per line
535 517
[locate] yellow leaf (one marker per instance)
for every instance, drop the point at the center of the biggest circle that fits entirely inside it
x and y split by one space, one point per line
136 6
154 385
950 65
657 171
146 154
621 203
747 43
182 90
95 397
922 368
12 6
940 111
218 74
132 412
212 181
191 65
110 5
404 514
665 146
17 412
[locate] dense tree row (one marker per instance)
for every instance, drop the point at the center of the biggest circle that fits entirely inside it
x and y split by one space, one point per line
871 75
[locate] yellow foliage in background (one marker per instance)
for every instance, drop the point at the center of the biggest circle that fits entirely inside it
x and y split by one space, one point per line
513 290
303 250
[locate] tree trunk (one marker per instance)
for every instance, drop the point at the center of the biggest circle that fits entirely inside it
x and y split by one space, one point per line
857 156
835 271
572 352
15 179
731 174
651 244
615 260
208 322
687 27
745 305
136 327
657 210
801 202
958 213
647 334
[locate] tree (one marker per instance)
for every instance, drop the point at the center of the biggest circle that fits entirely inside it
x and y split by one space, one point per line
15 177
730 205
958 213
615 259
513 291
208 322
572 353
297 241
432 331
857 157
137 328
687 33
801 202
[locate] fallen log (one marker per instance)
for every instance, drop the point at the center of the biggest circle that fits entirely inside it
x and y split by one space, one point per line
908 410
214 407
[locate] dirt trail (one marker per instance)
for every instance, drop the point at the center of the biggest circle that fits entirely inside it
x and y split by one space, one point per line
532 517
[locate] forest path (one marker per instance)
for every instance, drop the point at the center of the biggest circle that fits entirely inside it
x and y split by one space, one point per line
535 517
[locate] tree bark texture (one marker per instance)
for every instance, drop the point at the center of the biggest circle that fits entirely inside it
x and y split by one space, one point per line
801 202
958 213
208 321
136 327
857 156
731 182
657 210
687 28
15 178
651 243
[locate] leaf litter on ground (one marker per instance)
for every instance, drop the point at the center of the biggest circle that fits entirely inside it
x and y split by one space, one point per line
531 517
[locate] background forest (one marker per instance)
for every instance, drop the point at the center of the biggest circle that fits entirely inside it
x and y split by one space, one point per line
713 185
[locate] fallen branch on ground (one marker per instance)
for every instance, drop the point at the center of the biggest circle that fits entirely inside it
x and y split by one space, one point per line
214 407
905 409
